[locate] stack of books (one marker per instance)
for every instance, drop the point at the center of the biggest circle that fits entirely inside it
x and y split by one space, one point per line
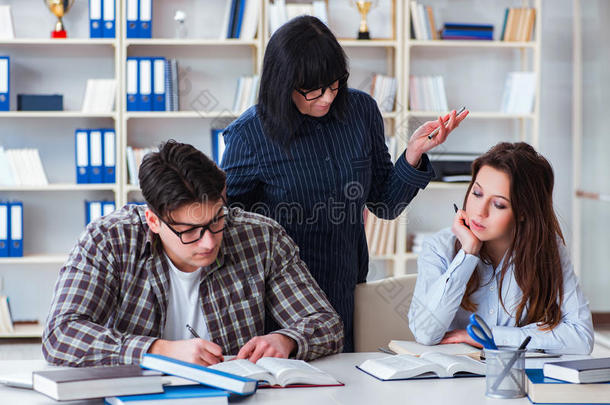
470 32
134 160
21 167
422 22
518 24
240 20
427 93
95 153
11 229
519 93
152 84
246 93
383 90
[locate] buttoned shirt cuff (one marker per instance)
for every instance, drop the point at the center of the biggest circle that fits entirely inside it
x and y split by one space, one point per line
507 335
415 177
134 348
302 345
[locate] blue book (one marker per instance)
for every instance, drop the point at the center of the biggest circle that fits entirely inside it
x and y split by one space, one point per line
132 10
145 19
159 83
233 18
95 19
15 220
468 33
240 18
96 156
81 152
109 172
109 20
174 395
504 24
541 389
145 84
5 86
461 26
204 375
4 229
133 84
218 145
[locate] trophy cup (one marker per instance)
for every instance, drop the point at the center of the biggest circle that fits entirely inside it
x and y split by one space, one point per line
59 8
364 6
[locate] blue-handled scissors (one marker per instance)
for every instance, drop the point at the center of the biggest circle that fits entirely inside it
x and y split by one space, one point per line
480 332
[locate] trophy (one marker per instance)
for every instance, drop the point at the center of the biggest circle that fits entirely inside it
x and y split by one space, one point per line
59 8
364 6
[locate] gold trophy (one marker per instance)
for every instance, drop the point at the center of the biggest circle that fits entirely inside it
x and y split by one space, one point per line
59 8
364 6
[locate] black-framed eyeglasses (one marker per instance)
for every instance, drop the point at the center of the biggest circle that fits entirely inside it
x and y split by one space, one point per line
196 232
317 93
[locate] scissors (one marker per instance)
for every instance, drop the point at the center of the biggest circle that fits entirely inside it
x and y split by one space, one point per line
480 332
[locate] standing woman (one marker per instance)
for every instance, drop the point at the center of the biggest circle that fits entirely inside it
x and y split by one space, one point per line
312 153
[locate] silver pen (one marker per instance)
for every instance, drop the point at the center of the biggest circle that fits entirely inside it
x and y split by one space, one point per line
431 134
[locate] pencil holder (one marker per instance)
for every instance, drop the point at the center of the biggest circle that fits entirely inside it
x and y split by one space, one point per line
505 373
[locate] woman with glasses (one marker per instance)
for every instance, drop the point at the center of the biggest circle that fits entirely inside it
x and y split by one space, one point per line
311 154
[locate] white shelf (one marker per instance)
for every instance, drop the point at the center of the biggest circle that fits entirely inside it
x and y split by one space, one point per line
469 44
54 114
181 114
28 330
63 187
59 42
35 259
132 188
190 42
368 43
474 115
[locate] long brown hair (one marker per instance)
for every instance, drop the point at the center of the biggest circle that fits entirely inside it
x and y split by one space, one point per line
534 251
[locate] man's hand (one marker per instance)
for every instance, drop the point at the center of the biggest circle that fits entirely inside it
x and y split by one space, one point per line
271 345
196 351
459 336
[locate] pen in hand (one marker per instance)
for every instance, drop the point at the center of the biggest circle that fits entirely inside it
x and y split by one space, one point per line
455 207
433 133
192 331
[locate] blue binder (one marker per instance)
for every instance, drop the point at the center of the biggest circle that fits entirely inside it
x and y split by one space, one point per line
133 84
145 18
81 152
5 87
233 18
145 84
93 210
240 17
108 207
109 175
96 156
4 229
16 225
133 24
95 19
218 145
159 80
109 20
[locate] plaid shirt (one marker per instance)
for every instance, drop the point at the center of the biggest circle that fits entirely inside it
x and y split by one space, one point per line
111 297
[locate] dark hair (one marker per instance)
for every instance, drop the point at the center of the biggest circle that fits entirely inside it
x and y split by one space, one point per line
301 54
534 251
176 175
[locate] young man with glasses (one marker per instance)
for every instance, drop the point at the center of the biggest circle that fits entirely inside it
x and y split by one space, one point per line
186 277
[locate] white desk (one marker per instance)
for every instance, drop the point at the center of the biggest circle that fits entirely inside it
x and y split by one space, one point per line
359 388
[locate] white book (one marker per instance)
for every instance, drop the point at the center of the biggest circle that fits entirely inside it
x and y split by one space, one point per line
13 164
225 21
423 21
250 20
7 31
417 349
506 94
275 371
40 173
100 95
442 93
430 364
415 21
26 168
6 172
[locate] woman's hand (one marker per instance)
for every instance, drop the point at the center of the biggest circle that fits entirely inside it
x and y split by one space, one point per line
459 336
460 228
419 142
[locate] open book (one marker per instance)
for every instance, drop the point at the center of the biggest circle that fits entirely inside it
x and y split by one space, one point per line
277 372
417 349
430 364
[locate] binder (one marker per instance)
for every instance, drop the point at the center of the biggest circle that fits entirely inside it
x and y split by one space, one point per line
218 145
96 157
107 207
109 175
81 148
95 19
159 80
109 13
240 18
16 225
93 210
145 18
132 84
5 88
233 18
145 84
132 11
4 229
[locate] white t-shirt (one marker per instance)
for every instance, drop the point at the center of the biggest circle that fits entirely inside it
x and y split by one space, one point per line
184 306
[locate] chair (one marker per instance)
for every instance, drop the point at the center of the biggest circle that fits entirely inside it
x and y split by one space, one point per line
380 312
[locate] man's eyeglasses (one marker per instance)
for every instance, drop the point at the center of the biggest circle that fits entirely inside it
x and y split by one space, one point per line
194 234
317 93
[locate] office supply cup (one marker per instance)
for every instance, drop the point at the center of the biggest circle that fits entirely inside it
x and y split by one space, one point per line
505 373
59 8
364 6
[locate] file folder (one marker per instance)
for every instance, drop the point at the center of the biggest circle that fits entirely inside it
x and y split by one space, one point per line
5 88
107 207
133 25
81 147
145 87
109 156
16 224
96 157
95 19
159 84
4 229
109 13
145 17
93 210
132 84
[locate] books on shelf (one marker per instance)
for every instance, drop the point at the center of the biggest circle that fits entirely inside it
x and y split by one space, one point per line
95 382
11 229
428 365
417 349
240 19
579 371
427 93
279 12
271 371
97 209
134 160
5 83
7 31
182 395
6 318
518 24
21 167
383 90
471 32
204 375
139 18
246 93
519 93
423 24
100 96
95 155
541 389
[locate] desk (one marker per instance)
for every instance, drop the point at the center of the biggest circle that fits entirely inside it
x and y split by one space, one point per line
359 388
